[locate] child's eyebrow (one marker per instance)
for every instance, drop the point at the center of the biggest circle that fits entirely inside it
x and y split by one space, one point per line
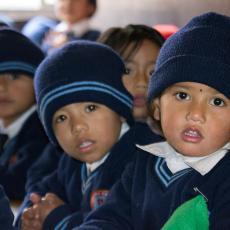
180 87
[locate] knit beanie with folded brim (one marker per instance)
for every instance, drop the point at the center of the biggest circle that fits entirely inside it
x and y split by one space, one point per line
198 52
18 53
81 71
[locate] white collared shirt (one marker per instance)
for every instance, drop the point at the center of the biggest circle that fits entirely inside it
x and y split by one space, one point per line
95 165
177 162
78 29
13 129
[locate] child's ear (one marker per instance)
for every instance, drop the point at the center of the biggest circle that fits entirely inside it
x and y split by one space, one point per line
156 109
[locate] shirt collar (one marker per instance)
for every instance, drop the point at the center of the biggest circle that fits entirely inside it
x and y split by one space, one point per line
95 165
13 129
78 29
176 161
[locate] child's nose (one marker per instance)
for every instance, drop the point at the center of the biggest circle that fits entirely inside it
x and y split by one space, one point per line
79 126
141 81
197 113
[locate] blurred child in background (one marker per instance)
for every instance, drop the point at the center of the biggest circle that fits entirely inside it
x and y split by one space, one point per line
73 17
139 46
22 136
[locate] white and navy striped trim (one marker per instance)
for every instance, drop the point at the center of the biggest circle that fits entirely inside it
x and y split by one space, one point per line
17 65
63 223
82 86
164 175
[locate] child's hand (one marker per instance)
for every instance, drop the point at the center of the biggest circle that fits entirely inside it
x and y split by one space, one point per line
35 198
30 219
30 216
47 204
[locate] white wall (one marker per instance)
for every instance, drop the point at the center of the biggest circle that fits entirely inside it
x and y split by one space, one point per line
151 12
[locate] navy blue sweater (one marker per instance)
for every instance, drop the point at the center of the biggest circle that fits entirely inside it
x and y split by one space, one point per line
90 35
43 166
19 154
6 215
149 193
82 194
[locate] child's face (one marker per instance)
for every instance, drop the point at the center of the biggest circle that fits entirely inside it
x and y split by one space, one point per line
194 118
16 96
72 11
87 130
139 68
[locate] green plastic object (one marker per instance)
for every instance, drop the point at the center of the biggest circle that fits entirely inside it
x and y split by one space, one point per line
191 215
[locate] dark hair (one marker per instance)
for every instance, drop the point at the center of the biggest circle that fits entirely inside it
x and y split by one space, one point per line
130 37
93 2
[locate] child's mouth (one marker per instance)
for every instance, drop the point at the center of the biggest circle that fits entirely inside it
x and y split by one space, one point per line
192 135
139 100
86 146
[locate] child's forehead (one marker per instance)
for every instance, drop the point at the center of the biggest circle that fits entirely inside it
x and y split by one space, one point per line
79 105
196 86
10 74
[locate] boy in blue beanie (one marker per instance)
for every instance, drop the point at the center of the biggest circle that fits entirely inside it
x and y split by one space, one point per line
183 181
85 109
22 136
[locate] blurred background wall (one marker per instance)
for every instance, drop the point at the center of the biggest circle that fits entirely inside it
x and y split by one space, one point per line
122 12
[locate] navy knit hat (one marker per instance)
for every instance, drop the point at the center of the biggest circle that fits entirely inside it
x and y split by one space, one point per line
81 71
18 53
199 52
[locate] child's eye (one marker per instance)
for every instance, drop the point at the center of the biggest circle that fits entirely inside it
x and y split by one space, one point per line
13 76
182 96
90 108
217 102
60 118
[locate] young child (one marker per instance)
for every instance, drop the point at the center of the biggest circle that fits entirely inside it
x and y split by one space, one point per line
74 23
85 108
188 175
24 137
139 46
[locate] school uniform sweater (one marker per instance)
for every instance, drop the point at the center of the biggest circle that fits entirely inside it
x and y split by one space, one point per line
79 31
43 166
6 215
18 155
39 26
148 193
82 193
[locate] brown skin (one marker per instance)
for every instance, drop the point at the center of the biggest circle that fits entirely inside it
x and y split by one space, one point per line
194 118
140 67
16 96
34 217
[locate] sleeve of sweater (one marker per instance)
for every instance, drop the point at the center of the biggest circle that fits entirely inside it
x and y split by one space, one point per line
53 183
45 165
6 215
